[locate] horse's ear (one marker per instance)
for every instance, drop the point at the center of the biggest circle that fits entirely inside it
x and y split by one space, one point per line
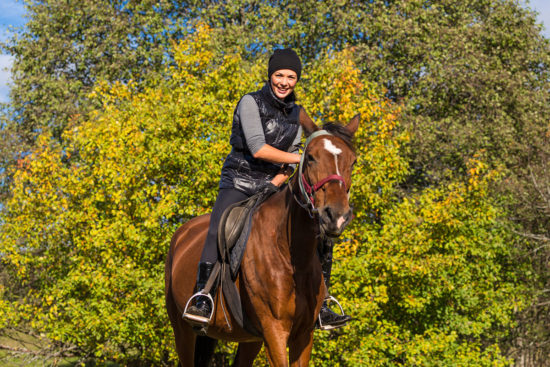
353 124
307 123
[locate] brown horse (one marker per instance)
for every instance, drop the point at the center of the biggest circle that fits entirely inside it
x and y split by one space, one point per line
280 280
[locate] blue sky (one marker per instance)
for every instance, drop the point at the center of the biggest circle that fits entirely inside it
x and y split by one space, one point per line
12 14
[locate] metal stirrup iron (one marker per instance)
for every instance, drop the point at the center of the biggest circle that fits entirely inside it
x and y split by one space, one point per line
330 327
195 318
203 293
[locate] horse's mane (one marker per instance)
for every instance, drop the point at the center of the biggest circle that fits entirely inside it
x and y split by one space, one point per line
339 131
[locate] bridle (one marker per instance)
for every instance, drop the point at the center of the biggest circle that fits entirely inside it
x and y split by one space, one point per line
306 189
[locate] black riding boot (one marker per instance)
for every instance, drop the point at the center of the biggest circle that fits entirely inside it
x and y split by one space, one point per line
327 318
201 310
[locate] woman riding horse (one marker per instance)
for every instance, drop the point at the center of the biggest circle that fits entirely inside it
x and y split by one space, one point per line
264 139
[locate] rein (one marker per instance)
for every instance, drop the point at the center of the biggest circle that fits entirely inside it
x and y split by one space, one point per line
306 189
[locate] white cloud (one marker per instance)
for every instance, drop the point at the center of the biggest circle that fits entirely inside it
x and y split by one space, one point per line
5 76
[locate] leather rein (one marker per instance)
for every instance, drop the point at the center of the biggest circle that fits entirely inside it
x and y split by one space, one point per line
308 190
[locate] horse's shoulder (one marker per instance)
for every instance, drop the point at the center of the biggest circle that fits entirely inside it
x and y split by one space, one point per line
273 204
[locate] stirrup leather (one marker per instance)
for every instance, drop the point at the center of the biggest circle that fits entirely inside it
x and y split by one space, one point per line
328 299
195 318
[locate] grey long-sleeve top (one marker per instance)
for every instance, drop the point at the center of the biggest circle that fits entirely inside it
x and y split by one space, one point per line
249 115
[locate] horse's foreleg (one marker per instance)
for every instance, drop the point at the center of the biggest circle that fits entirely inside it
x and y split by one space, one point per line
300 350
246 353
275 346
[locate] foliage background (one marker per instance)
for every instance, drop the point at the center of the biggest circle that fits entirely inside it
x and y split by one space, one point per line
116 134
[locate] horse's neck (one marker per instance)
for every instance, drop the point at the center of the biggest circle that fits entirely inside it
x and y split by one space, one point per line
301 227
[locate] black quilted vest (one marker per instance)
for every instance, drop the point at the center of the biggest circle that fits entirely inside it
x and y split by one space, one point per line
280 124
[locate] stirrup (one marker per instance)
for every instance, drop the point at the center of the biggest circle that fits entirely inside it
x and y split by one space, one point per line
342 313
195 319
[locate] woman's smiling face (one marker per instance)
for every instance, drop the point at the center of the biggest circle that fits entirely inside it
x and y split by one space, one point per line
283 82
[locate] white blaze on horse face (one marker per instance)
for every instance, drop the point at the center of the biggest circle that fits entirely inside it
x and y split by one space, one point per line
335 151
331 148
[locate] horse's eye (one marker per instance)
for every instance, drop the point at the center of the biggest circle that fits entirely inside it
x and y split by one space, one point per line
310 159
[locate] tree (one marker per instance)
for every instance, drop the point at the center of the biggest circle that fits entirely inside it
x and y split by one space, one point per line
68 46
430 276
472 77
88 224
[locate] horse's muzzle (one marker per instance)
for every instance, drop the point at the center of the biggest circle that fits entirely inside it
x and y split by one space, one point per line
333 221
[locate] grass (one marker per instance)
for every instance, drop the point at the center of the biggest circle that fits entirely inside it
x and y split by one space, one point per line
29 343
14 360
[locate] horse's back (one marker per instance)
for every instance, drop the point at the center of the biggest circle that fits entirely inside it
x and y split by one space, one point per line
189 232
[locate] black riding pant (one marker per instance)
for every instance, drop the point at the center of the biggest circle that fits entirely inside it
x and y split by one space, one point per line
225 198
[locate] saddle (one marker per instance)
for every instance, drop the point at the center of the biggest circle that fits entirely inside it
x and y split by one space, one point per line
234 228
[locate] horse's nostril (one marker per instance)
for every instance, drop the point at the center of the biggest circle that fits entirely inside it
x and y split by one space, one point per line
329 214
